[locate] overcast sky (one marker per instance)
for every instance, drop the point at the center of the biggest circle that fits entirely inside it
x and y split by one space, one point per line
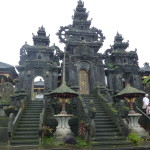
20 18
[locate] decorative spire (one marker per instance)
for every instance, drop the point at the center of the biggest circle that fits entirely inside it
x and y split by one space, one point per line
41 39
80 3
80 33
41 31
119 44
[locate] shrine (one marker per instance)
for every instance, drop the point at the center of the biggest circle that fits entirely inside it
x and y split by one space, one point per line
77 91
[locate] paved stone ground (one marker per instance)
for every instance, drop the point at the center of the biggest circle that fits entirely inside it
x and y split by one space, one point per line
141 147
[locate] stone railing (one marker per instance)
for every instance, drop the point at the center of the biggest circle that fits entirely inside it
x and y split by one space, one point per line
13 120
83 108
41 121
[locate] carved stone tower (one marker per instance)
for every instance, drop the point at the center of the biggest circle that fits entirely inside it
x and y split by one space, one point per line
84 66
39 60
122 66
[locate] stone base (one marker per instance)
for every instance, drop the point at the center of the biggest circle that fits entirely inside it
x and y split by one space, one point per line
135 127
140 132
63 129
61 134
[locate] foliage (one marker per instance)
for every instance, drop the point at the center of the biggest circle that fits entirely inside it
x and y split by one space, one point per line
125 111
110 65
70 140
10 109
81 142
46 131
50 141
146 81
74 141
5 102
82 128
134 138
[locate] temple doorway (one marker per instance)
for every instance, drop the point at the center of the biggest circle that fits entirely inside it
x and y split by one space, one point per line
38 88
83 82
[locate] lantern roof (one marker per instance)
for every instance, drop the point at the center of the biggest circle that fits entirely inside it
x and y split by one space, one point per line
129 91
63 91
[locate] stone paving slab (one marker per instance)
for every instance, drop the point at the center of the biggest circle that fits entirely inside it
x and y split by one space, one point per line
71 148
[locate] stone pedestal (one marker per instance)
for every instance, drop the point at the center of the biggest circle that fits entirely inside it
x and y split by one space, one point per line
135 127
63 128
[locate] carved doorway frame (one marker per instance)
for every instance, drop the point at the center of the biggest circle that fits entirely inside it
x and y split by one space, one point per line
84 82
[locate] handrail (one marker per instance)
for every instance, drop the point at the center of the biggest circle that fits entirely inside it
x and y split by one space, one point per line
13 120
41 122
142 112
84 105
10 126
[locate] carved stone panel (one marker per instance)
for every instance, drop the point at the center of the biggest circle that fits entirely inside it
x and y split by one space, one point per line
83 82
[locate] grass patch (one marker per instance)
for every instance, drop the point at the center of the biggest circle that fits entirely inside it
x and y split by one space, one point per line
134 138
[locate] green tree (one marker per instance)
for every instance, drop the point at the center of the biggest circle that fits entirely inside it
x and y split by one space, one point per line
146 81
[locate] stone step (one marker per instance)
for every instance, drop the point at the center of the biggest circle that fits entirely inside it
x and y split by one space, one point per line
34 108
107 130
105 126
26 132
30 114
38 101
101 118
27 129
32 111
103 123
101 114
24 142
30 119
27 125
25 137
35 104
107 134
110 142
29 122
105 138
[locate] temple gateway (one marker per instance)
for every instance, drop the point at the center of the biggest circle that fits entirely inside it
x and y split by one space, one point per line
33 98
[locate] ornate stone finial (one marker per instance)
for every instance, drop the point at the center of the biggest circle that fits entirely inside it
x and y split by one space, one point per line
118 37
80 2
119 44
146 64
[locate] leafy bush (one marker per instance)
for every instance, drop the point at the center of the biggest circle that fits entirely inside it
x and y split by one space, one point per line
134 138
5 102
81 142
146 81
46 131
70 140
82 128
50 141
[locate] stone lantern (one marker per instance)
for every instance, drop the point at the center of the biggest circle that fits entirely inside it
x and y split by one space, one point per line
63 93
130 94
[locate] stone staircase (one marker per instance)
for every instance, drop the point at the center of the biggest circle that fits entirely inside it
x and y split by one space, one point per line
27 131
107 133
